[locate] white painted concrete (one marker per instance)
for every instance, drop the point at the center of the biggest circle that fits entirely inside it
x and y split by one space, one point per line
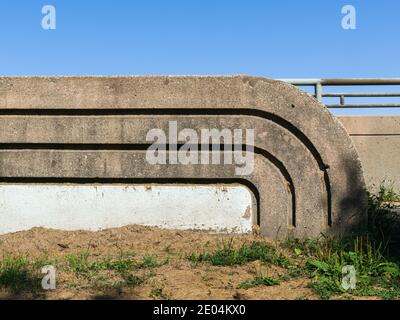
89 207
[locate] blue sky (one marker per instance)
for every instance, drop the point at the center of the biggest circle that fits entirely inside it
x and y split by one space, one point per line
269 38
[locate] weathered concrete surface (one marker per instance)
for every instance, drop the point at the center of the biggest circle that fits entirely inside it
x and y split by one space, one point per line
88 207
377 140
307 177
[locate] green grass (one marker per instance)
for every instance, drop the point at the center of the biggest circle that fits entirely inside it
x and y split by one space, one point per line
387 193
383 224
112 273
258 280
377 267
79 263
18 275
151 262
128 280
84 263
158 293
227 255
324 259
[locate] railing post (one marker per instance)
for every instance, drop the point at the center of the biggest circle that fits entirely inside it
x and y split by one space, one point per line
342 100
318 91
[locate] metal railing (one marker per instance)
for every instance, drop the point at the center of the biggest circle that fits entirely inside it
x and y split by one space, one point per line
319 93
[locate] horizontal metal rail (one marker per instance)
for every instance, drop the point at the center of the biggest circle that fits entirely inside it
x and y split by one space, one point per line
363 105
362 94
319 93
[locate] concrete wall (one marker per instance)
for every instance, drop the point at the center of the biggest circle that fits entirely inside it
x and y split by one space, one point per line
307 176
377 140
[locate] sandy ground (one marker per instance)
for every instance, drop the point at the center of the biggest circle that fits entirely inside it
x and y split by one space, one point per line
176 279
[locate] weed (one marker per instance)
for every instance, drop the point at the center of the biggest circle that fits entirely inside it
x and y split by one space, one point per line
150 262
375 274
79 263
133 280
259 280
383 223
121 265
107 282
111 273
227 255
158 293
387 193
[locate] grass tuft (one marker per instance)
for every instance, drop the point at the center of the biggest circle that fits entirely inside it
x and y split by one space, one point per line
18 275
112 273
227 255
259 280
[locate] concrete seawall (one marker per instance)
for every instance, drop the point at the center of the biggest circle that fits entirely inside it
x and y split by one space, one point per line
305 175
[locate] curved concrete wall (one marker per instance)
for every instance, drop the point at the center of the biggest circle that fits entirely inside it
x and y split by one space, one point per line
307 178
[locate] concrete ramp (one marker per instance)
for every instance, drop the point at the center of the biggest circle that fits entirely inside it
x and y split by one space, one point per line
305 178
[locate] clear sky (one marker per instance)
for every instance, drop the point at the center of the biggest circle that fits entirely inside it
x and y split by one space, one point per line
269 38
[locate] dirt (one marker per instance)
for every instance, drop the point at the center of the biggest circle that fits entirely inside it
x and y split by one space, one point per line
177 279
